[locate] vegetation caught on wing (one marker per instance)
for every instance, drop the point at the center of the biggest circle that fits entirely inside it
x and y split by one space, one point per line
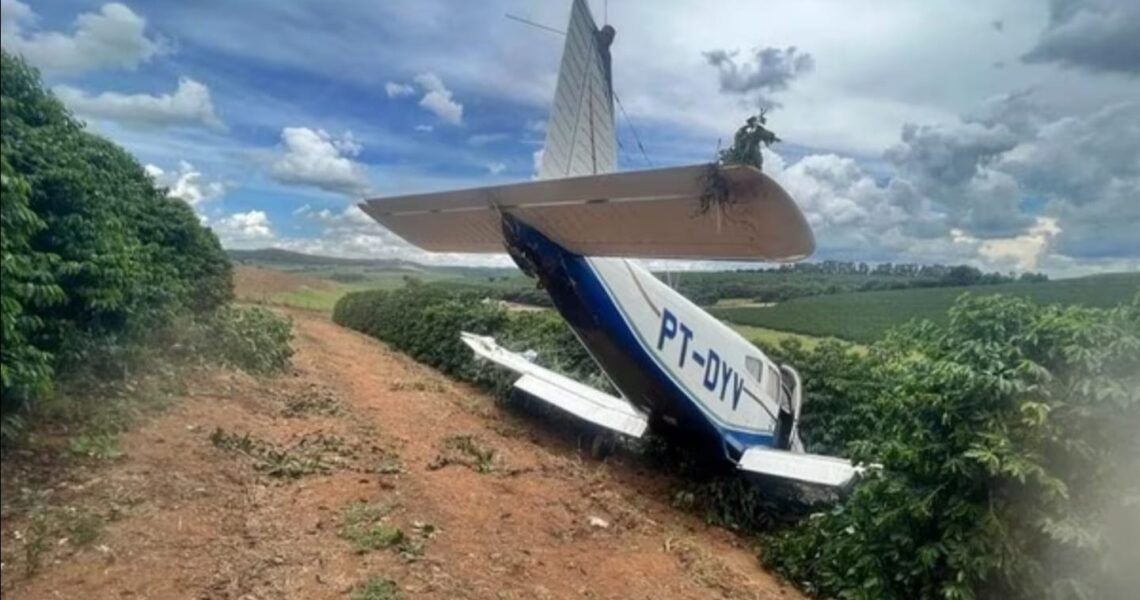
747 144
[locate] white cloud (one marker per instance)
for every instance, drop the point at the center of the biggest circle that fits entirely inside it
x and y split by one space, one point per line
443 106
245 229
495 168
351 233
13 14
187 183
113 38
314 158
190 104
437 99
537 158
430 82
397 90
424 128
482 139
1025 252
1010 189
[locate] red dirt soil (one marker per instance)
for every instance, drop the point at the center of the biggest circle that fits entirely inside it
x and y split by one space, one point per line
198 521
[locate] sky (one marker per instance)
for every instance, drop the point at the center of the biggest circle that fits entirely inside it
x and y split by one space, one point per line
1001 134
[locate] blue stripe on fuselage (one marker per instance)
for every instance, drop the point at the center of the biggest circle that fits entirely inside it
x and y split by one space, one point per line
587 306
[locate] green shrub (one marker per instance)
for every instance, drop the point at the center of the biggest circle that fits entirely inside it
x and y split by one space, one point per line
94 256
26 285
424 322
1005 439
250 338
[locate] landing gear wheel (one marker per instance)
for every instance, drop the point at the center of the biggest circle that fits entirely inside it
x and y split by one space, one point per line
602 445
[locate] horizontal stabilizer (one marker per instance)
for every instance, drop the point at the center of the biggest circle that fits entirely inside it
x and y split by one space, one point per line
634 214
580 400
808 468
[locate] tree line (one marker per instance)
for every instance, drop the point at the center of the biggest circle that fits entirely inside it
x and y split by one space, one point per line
831 277
950 274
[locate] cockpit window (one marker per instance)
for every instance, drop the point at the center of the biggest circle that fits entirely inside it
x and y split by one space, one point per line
754 367
774 383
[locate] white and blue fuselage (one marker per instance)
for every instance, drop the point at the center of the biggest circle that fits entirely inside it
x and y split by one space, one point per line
666 355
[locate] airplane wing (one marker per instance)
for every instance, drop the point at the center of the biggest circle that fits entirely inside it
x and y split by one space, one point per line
636 214
808 468
575 398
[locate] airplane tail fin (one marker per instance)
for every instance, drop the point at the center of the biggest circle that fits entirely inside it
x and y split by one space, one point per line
580 135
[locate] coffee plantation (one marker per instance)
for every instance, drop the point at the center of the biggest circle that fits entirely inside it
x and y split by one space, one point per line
1006 439
94 256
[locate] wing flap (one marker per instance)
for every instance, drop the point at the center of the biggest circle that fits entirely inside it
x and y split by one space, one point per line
646 214
578 399
808 468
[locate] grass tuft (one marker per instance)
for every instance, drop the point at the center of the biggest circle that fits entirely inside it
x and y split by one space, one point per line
362 524
468 451
377 588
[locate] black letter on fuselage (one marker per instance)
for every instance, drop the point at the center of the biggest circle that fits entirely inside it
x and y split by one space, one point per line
668 328
686 335
712 370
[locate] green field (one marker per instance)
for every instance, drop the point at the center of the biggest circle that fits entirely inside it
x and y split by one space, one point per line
309 298
865 316
765 337
324 299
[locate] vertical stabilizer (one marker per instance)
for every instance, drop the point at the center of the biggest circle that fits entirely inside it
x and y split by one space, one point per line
580 130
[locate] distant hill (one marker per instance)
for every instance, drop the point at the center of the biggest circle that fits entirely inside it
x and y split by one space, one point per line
289 258
865 316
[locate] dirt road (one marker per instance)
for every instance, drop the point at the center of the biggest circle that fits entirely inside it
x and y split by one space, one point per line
395 479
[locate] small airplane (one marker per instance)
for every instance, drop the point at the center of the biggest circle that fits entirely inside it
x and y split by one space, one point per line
678 369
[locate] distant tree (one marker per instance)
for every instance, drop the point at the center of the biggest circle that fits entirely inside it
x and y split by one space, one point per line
962 275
